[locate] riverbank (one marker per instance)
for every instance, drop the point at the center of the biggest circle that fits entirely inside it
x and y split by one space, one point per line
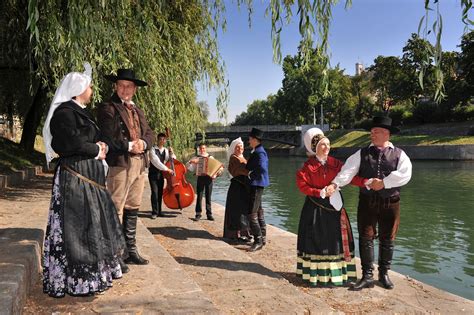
193 270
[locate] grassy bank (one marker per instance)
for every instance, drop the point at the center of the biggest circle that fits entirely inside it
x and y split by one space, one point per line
434 134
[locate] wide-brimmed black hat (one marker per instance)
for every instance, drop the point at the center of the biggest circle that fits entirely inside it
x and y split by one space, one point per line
125 74
256 133
383 122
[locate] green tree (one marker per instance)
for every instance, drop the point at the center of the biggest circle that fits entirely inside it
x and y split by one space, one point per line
259 112
387 80
466 65
417 62
364 101
170 44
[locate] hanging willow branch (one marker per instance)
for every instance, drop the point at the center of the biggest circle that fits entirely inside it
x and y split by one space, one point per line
170 44
434 55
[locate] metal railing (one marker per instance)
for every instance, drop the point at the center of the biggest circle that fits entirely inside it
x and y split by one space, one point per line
248 128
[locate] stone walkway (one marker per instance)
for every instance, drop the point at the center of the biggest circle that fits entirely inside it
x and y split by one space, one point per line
192 270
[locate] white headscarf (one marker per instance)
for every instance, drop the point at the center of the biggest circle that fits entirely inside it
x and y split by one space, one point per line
308 137
73 84
232 146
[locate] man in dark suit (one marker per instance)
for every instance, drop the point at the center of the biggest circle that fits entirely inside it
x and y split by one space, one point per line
128 135
257 165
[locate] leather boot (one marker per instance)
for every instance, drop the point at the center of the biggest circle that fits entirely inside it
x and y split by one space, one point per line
264 234
257 245
366 249
130 230
385 260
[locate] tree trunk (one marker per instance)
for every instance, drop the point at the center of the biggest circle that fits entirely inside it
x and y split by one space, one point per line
33 119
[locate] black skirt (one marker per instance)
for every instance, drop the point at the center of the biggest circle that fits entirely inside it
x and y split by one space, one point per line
92 230
319 230
237 208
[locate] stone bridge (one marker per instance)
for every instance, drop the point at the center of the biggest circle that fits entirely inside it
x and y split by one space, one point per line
285 134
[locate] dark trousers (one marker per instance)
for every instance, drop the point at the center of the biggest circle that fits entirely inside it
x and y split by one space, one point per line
256 216
156 185
204 186
374 211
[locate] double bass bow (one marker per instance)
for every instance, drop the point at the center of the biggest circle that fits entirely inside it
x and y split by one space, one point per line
179 193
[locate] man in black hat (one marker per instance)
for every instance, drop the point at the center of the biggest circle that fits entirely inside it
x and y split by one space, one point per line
257 165
128 135
388 168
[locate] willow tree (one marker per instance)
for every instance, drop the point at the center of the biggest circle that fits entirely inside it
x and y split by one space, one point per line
170 44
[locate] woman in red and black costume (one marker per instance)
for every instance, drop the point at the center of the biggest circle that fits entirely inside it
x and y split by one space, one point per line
325 241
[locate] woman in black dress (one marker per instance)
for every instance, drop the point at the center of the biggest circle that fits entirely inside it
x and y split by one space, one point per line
83 241
236 207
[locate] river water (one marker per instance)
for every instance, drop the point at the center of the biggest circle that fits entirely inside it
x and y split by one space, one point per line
435 242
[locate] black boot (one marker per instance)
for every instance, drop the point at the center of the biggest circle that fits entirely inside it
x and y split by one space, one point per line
264 234
366 249
257 244
385 260
130 230
257 233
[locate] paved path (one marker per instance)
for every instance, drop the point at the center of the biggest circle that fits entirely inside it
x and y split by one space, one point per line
192 270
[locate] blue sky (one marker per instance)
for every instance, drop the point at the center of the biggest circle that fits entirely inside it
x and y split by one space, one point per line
366 30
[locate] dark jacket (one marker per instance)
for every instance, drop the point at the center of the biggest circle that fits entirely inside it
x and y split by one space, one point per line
74 131
257 164
113 121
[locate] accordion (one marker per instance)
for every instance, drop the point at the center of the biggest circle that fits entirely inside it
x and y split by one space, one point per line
209 166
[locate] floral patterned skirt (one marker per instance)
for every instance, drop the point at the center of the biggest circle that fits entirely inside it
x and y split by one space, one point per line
59 275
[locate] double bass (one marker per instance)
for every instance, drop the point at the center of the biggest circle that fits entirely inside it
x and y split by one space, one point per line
179 193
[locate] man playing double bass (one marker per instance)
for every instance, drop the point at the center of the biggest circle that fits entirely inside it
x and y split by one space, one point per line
159 155
128 135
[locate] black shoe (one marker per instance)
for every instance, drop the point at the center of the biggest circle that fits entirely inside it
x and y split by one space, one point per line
135 259
385 281
123 266
363 283
243 239
210 218
154 216
198 217
256 246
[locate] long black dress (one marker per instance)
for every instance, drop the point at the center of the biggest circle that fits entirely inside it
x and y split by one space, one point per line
237 202
83 237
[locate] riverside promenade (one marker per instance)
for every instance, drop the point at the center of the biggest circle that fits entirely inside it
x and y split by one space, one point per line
192 270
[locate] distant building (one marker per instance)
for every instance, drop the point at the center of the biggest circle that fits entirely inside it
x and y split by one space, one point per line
359 68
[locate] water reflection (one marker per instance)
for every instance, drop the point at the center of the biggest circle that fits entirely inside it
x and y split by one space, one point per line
435 243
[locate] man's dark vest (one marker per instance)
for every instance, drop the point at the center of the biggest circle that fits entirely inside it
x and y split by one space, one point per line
375 163
153 171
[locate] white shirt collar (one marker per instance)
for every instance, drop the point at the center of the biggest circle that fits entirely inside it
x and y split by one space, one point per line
130 102
389 145
82 106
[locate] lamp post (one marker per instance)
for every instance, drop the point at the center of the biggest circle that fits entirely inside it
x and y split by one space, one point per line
322 117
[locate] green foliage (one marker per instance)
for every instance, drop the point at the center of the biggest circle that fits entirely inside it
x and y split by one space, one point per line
170 44
260 112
